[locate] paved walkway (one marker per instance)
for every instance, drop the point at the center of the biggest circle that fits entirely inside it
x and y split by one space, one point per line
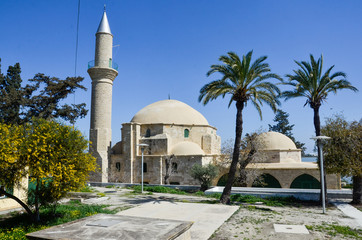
206 217
350 211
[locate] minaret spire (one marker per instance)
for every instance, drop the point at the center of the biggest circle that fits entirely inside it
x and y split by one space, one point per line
104 25
102 72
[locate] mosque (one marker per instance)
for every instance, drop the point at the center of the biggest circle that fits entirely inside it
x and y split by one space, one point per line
173 130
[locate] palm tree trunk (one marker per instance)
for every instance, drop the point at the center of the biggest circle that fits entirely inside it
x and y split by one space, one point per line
357 189
317 122
225 197
317 126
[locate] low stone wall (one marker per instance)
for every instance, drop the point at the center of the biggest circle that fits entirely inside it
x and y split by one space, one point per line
302 194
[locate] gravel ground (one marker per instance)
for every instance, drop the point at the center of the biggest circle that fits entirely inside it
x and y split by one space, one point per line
256 222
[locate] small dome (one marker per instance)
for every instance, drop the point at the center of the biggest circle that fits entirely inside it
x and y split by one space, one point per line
171 112
276 141
187 148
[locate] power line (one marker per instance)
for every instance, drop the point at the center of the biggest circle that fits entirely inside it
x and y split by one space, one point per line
76 50
76 42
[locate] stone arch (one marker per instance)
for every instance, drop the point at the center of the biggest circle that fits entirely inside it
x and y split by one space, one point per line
223 179
269 181
305 181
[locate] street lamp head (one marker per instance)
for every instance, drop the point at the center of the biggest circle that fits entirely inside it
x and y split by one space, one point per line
142 145
320 138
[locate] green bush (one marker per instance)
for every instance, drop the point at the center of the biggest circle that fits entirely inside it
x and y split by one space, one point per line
204 174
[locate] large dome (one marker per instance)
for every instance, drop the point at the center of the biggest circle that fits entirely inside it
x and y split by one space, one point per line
276 141
171 112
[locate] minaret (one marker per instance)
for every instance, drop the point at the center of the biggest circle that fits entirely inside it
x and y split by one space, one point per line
102 73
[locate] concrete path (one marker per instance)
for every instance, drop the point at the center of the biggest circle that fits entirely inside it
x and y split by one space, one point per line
206 217
350 211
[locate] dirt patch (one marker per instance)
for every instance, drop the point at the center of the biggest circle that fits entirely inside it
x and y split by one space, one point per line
256 222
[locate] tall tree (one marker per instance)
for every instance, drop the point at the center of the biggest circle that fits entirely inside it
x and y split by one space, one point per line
10 94
282 125
41 97
311 83
44 95
343 152
244 82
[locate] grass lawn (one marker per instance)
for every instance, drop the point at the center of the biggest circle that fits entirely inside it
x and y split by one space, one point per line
235 198
15 226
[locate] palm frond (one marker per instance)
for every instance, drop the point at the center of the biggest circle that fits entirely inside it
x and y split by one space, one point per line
243 80
309 81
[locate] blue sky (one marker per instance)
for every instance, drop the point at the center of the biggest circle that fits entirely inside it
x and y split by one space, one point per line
166 47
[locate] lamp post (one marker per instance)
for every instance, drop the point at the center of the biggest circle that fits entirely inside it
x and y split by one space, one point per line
320 145
142 146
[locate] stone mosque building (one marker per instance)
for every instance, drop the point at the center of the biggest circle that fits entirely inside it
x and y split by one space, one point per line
173 129
169 128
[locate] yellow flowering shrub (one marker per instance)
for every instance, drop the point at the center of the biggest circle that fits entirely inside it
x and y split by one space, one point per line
12 165
54 155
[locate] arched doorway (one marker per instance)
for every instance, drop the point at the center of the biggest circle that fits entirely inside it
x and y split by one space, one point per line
222 181
305 181
268 181
224 178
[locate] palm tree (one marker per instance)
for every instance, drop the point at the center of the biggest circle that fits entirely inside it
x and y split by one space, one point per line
309 82
244 82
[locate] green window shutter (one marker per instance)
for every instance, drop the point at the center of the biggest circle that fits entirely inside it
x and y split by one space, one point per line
186 133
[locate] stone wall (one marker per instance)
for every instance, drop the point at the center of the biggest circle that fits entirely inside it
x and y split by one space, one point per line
287 176
156 169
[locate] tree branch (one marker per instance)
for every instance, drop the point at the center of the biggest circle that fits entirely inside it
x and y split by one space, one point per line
3 192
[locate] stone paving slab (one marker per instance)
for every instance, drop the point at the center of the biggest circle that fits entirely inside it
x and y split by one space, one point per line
284 228
206 217
115 227
350 211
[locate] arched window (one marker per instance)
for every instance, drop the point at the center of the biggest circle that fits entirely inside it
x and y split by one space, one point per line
305 181
144 167
174 167
186 133
118 166
148 132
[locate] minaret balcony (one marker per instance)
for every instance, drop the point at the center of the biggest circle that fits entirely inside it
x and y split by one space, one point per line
105 63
